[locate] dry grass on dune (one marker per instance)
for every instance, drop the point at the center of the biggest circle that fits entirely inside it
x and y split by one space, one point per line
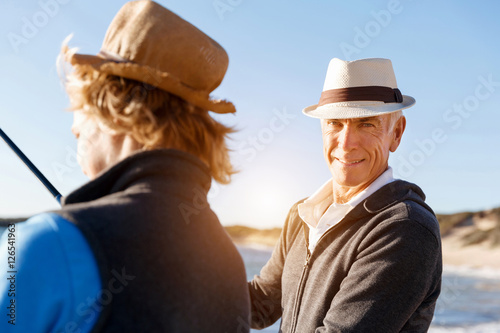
472 228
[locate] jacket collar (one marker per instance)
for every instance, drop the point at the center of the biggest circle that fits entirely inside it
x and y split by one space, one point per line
387 196
159 167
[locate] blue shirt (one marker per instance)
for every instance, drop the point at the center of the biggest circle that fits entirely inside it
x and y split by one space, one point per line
55 286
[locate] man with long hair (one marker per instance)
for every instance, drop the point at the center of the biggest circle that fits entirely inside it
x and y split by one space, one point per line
137 249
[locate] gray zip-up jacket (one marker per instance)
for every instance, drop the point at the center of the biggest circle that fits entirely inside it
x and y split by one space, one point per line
377 270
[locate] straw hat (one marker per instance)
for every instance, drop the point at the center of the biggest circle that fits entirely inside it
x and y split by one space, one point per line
360 88
148 43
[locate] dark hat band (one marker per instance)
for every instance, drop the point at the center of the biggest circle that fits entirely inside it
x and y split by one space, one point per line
367 93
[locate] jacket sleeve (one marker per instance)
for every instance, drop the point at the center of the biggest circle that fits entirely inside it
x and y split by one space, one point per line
392 285
265 289
51 280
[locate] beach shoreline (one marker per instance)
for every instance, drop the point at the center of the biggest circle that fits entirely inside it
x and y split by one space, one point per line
455 255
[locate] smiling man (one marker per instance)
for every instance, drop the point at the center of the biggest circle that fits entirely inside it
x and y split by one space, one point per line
363 253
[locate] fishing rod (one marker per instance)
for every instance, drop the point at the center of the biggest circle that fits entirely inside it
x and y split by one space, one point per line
55 193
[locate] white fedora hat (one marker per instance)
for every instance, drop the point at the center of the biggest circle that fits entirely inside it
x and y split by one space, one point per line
359 88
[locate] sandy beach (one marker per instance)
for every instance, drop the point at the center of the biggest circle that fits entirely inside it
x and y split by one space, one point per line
480 255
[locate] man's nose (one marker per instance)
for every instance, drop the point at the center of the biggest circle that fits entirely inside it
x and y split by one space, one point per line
348 138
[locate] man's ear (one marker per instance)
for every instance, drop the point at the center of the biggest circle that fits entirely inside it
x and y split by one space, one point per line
397 133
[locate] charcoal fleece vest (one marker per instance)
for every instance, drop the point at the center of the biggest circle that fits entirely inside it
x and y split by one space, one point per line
166 263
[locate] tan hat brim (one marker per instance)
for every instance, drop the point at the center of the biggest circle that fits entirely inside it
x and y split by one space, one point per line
358 109
153 77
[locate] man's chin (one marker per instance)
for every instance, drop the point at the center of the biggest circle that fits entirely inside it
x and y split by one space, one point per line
347 184
346 180
87 173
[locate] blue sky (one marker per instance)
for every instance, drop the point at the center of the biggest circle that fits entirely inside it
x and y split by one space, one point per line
445 54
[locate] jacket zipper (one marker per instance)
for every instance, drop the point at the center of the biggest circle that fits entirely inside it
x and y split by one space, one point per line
302 279
300 290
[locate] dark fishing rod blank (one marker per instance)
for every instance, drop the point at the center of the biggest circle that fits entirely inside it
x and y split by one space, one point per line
55 193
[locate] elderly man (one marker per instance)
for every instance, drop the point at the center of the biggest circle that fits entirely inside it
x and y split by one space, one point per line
136 249
363 253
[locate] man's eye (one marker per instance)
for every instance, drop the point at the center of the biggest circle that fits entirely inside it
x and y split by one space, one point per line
367 125
333 122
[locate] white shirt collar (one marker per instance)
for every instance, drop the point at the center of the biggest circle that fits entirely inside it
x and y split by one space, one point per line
312 209
384 179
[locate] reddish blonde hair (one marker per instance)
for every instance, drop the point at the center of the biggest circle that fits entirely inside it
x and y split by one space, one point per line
153 117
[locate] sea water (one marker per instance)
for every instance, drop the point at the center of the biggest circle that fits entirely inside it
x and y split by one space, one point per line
469 300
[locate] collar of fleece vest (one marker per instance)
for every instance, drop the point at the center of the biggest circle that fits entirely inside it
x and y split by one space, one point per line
171 163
